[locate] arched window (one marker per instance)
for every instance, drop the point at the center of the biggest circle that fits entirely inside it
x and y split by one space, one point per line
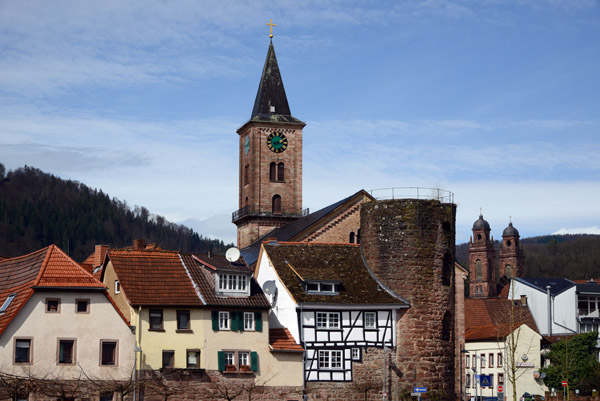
352 237
280 172
273 171
246 204
276 204
509 271
478 272
246 168
358 236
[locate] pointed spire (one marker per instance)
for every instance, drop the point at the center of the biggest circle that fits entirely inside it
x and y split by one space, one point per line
271 102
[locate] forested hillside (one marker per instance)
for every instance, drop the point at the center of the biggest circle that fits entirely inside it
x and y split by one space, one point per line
575 257
38 209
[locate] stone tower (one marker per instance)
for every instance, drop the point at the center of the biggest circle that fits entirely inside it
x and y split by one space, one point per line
408 246
270 160
511 258
481 261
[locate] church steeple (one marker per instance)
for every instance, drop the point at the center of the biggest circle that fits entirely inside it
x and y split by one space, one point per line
271 103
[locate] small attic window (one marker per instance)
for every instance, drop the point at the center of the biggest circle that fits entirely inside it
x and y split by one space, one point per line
6 303
316 287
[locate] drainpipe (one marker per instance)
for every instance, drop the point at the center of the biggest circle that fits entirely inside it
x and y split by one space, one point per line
304 394
549 310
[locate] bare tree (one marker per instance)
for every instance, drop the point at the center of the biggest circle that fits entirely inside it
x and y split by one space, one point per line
12 386
112 385
165 383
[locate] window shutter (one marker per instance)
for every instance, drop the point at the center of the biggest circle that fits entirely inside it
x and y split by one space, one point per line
241 321
221 358
215 320
234 320
258 321
253 361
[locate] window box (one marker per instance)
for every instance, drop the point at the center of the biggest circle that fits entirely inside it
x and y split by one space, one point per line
230 368
245 368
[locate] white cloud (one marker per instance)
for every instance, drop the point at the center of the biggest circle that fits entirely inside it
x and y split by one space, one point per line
583 230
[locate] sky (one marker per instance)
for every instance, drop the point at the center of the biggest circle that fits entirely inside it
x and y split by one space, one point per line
495 101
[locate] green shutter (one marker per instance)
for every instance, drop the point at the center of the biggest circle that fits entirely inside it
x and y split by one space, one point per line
221 358
233 321
215 320
258 321
241 321
253 361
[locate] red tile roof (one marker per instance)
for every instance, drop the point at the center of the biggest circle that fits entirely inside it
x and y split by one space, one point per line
47 268
488 319
153 278
281 340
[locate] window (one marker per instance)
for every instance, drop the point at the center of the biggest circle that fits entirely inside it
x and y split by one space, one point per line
491 381
328 320
23 350
7 302
370 320
106 396
325 288
500 378
356 354
358 236
52 305
117 287
351 239
280 172
276 171
183 320
168 359
482 357
246 169
272 171
82 306
509 271
468 380
491 360
499 360
276 204
478 269
66 352
233 282
108 349
330 359
467 361
156 319
223 320
249 321
193 358
237 360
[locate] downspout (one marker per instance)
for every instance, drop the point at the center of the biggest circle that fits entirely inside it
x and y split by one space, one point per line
138 346
304 395
549 296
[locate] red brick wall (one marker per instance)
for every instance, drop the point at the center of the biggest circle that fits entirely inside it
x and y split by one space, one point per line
409 246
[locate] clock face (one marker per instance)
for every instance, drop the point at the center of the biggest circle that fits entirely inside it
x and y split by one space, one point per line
246 145
277 142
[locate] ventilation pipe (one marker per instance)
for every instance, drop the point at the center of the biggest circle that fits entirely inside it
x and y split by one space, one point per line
549 310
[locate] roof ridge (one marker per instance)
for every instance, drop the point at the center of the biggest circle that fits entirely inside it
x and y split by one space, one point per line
26 255
44 265
310 243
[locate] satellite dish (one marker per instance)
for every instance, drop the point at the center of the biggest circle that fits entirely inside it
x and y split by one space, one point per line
232 254
269 287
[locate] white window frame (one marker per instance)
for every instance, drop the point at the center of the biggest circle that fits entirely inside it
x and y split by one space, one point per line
499 360
230 358
249 321
324 320
320 290
224 320
243 358
230 282
355 353
370 320
117 287
482 361
330 360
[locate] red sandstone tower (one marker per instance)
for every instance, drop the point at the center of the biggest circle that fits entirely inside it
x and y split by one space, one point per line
511 258
409 247
481 261
270 161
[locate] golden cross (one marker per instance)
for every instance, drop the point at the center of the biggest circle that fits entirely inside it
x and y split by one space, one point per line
271 25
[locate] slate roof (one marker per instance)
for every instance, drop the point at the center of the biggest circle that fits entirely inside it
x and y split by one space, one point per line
490 318
203 268
47 268
296 261
271 93
281 339
291 231
587 286
153 278
557 285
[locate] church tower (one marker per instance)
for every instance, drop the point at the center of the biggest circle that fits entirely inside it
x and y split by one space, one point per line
270 155
481 261
511 258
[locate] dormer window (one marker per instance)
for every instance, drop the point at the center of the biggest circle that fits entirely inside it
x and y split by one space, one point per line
319 287
7 302
233 283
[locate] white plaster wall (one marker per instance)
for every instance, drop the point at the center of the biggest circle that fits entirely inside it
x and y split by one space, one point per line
102 323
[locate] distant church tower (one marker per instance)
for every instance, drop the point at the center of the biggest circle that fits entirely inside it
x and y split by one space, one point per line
511 258
270 155
481 261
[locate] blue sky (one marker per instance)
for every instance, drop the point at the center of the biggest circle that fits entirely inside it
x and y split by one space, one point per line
496 101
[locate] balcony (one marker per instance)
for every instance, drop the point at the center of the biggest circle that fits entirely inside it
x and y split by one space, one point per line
247 212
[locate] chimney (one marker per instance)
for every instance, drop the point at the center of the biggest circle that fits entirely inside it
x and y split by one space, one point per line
139 244
523 300
549 310
99 254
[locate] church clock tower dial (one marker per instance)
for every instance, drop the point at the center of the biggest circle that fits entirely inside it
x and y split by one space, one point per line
270 159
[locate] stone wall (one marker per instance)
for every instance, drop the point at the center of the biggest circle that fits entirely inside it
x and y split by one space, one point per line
409 246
